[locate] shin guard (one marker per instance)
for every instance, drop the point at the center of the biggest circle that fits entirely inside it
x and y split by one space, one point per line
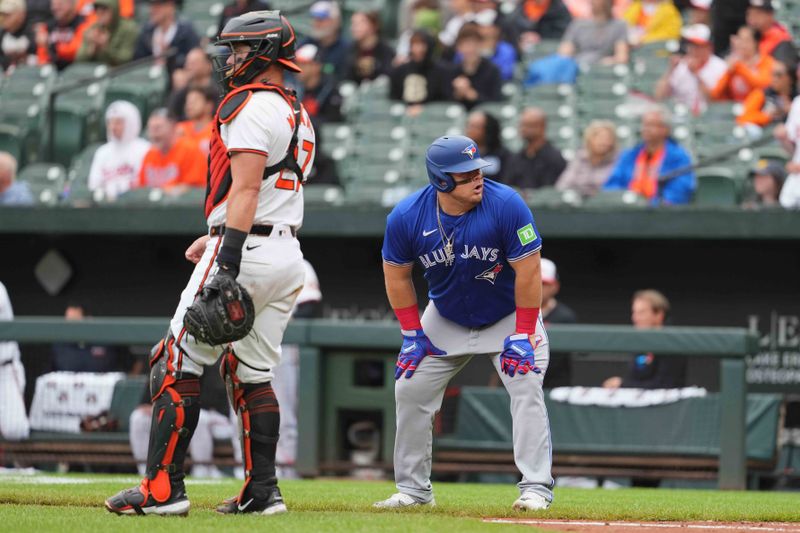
176 409
259 419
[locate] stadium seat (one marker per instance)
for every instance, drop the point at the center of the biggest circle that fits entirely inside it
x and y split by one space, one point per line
126 397
46 181
78 120
145 88
323 195
141 196
616 199
193 196
716 186
11 141
550 197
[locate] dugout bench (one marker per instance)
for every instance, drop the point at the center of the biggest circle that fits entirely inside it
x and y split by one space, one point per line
329 384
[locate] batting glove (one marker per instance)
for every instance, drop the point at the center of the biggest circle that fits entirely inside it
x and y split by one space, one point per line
517 356
416 345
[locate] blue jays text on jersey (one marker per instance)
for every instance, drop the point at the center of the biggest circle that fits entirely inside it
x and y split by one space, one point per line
478 288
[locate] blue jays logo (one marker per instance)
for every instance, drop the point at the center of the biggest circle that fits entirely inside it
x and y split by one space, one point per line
470 151
491 273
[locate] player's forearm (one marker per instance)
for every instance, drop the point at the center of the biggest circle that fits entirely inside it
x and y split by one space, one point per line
247 170
399 286
527 292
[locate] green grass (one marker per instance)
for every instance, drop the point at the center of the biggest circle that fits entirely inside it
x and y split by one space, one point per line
37 504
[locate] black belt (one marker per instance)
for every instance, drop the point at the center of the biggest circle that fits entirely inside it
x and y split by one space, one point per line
263 230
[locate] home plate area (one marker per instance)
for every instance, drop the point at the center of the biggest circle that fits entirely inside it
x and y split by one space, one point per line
649 527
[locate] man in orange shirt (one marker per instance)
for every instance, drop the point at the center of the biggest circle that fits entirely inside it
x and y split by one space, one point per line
775 38
173 163
59 41
201 101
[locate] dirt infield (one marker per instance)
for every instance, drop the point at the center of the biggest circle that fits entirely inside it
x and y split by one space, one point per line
650 527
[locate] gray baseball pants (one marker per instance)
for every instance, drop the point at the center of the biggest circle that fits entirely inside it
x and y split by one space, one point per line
419 398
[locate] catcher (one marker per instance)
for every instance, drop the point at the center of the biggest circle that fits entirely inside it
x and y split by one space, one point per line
249 270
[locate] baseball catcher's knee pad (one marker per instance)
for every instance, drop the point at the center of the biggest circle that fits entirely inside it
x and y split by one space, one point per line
259 419
176 408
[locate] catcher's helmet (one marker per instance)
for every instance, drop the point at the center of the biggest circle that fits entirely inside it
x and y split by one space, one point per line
452 153
271 39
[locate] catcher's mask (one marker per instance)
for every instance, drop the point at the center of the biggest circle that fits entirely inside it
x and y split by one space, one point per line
271 39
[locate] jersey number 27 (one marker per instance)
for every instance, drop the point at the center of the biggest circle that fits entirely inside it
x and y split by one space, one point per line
293 183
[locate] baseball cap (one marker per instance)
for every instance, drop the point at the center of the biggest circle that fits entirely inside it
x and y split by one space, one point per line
766 5
306 53
697 34
549 273
769 167
12 6
701 4
325 10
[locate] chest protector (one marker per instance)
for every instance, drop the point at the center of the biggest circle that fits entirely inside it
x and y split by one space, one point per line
219 161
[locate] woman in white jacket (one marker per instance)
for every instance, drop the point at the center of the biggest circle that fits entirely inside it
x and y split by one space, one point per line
115 166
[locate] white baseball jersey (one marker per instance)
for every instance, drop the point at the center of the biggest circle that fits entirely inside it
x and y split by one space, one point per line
265 125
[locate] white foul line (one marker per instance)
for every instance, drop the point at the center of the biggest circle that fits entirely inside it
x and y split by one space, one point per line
665 525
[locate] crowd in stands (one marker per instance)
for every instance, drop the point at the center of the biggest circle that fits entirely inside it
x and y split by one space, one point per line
461 51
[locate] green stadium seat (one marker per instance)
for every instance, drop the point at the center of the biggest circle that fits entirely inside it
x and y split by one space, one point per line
78 121
551 197
127 396
141 196
323 195
616 199
46 181
192 196
716 186
11 141
145 88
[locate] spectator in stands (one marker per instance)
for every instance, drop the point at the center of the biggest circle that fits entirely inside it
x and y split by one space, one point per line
17 43
502 53
318 91
539 163
82 357
172 163
484 129
14 423
323 171
726 17
699 13
601 39
423 77
196 72
425 16
165 31
692 76
201 103
650 21
534 20
474 78
640 169
559 370
12 192
239 7
771 105
767 181
326 34
588 171
369 56
116 164
650 310
775 38
747 69
111 39
461 12
59 41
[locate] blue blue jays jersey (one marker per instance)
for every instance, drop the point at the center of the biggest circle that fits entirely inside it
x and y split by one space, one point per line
478 288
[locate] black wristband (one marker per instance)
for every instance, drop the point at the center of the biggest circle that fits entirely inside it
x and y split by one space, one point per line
230 253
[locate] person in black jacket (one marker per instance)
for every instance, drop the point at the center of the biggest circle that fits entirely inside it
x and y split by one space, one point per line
650 310
369 55
17 42
539 163
420 79
239 7
164 31
484 129
317 90
475 79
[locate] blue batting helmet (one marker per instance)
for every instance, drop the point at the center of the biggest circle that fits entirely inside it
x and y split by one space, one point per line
452 153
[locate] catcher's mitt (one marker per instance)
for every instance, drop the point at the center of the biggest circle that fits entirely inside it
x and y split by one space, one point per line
222 312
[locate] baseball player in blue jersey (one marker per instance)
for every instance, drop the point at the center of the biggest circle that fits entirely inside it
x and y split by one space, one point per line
479 247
